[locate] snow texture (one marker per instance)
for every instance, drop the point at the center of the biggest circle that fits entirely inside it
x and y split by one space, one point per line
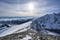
15 28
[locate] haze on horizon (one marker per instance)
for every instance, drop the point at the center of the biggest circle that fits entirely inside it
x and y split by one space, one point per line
28 7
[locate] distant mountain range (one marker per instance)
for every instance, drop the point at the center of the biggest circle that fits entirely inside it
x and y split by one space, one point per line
16 17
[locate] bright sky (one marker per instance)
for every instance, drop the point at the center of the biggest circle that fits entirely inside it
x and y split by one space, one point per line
28 7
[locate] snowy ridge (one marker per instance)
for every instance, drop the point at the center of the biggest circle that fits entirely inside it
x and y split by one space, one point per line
15 28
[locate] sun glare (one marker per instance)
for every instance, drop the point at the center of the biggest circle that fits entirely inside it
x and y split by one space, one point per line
31 6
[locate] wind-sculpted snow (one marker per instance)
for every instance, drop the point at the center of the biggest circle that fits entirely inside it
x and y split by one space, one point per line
48 24
15 28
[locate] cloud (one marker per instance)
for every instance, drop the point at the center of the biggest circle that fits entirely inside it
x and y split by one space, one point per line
15 1
14 10
47 6
19 7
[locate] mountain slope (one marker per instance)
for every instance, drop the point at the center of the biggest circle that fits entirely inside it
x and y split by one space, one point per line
48 24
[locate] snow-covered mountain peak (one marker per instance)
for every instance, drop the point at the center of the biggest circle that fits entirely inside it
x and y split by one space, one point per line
50 22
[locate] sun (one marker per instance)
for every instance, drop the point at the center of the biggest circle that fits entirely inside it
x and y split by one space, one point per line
31 6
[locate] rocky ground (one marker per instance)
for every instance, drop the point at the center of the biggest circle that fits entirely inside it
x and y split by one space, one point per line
29 35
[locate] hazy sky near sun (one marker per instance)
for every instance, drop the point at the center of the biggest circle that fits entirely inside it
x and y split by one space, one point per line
28 7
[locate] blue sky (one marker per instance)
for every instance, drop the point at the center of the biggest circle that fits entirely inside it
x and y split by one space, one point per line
21 7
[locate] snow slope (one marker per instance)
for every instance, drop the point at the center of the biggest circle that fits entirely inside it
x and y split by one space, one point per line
15 28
